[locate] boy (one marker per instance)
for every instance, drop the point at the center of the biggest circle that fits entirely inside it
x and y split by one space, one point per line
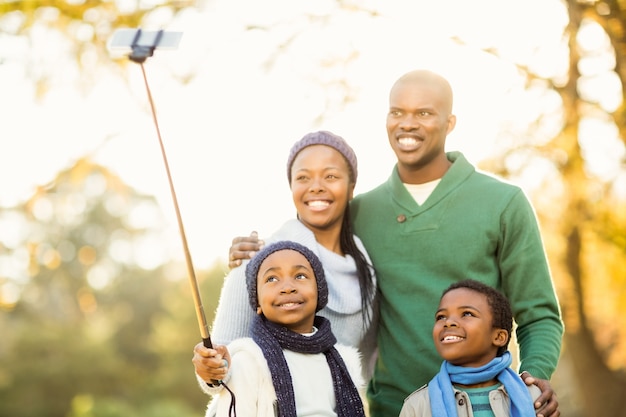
472 330
292 365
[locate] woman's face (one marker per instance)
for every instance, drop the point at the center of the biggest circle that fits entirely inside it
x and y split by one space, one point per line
321 187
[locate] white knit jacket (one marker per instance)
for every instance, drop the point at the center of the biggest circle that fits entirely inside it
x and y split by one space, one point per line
250 380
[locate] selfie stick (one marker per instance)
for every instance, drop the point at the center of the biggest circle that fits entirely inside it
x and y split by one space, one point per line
142 46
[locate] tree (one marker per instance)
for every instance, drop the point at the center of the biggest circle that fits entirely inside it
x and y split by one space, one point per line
574 144
100 322
581 201
81 31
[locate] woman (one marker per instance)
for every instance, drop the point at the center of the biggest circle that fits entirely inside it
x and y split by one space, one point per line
322 173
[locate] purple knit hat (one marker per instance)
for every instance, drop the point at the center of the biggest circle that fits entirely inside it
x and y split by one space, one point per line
252 270
327 138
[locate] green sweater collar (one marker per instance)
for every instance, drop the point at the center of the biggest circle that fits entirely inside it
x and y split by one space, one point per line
460 170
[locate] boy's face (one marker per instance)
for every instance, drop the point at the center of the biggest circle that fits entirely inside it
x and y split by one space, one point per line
287 290
463 332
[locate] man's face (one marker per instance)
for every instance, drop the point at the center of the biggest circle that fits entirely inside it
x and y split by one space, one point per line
418 122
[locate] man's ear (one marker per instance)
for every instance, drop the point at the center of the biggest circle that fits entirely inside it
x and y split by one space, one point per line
258 310
451 123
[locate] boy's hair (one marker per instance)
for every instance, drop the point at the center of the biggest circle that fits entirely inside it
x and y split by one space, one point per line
500 306
252 270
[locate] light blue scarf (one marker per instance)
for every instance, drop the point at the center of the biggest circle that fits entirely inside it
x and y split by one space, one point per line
441 393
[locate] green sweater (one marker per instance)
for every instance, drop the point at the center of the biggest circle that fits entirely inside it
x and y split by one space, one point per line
472 226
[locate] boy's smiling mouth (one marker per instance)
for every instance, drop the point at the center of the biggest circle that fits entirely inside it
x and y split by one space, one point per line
451 339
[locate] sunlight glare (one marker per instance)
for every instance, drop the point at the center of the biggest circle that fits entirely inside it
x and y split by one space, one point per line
9 294
99 276
250 78
602 148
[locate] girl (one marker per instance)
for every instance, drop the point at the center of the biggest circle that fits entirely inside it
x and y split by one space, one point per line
291 365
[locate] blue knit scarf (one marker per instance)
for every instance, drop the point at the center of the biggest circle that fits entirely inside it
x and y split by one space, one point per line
441 393
273 338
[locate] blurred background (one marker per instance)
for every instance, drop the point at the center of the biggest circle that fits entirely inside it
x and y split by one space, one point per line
96 312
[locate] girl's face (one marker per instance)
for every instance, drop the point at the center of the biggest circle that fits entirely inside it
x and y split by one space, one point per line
287 290
463 332
321 187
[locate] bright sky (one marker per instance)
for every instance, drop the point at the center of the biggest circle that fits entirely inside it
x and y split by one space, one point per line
228 130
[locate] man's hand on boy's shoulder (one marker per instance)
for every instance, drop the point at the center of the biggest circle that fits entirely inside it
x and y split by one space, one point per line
546 405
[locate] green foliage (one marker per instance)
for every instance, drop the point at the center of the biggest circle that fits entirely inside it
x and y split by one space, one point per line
81 30
86 344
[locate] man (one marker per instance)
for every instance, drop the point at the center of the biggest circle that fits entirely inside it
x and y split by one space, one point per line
434 222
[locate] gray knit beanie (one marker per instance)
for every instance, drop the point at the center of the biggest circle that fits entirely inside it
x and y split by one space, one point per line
324 137
252 270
